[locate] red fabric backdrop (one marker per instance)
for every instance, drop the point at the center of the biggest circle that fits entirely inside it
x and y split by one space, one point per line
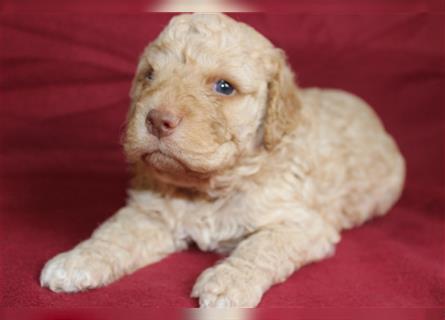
64 83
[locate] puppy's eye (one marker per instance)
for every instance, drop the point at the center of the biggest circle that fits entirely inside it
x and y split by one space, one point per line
149 74
224 88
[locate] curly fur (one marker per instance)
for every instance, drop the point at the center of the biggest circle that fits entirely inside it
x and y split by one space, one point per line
270 175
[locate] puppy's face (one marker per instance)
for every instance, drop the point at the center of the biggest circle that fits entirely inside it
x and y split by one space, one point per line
200 98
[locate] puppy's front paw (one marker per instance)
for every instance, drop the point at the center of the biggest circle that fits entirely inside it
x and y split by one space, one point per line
75 270
225 286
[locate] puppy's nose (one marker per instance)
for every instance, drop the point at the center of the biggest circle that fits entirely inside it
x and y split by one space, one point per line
161 123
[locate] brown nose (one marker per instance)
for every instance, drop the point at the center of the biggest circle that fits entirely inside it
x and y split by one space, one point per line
161 123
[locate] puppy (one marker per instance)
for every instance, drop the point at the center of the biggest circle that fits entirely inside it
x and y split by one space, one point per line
230 154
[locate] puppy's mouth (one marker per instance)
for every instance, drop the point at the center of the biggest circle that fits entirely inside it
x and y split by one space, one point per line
170 165
162 162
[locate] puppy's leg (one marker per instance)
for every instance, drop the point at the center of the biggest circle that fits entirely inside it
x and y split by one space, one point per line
266 257
127 241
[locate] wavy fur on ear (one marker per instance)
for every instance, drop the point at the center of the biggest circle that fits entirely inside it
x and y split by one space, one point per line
283 103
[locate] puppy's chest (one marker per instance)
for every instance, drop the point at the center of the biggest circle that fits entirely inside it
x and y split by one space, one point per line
216 225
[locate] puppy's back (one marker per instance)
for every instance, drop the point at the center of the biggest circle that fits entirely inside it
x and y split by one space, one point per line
359 171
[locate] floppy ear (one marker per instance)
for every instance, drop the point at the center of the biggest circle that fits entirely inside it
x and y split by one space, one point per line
283 104
135 83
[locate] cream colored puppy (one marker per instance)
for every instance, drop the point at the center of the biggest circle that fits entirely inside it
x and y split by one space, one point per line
230 154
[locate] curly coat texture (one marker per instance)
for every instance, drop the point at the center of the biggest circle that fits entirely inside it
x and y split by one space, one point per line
269 175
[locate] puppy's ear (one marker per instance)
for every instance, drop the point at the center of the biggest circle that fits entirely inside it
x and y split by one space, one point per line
135 84
283 105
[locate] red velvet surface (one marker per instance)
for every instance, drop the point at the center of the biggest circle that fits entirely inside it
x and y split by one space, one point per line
64 83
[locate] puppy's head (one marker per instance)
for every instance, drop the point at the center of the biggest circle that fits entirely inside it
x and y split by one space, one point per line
208 91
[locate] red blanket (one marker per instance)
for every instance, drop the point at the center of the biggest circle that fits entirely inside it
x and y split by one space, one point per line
64 83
